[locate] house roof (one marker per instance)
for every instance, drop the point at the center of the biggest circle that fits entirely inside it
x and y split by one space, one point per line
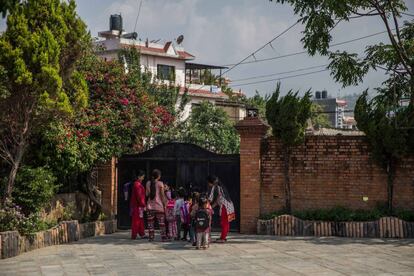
204 93
161 51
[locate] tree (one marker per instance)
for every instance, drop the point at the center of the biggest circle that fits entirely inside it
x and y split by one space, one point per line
321 17
288 117
387 134
257 101
38 53
318 118
6 5
210 127
380 120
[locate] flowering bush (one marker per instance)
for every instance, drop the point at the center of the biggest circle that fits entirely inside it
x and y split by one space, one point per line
122 113
12 218
121 117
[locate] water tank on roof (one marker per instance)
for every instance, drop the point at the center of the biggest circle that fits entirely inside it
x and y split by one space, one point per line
318 94
115 22
324 94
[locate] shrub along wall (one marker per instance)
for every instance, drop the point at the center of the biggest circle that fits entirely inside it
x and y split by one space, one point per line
12 244
329 171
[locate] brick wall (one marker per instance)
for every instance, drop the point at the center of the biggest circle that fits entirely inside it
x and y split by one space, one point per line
327 171
251 132
107 181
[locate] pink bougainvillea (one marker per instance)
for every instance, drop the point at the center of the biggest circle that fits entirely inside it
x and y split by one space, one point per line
124 101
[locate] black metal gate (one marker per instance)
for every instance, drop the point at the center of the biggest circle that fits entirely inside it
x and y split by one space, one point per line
182 165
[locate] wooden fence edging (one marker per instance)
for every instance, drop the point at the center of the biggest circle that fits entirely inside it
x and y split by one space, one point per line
12 244
385 227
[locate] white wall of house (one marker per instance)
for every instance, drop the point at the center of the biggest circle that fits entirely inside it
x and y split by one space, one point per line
149 63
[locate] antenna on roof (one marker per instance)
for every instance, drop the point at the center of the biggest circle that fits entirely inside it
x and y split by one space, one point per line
180 39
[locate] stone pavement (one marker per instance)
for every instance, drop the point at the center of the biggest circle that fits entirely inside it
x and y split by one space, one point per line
243 255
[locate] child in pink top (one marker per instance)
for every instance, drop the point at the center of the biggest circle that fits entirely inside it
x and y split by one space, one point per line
170 216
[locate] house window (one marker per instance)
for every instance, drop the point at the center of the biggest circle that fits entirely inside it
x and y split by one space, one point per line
165 72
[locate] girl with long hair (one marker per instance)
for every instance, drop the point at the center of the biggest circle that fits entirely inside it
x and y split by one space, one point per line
156 204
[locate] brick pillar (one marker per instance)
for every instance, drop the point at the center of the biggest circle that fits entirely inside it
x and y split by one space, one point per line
251 131
107 181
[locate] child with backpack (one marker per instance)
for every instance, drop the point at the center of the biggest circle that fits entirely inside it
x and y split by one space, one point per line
170 216
202 223
185 216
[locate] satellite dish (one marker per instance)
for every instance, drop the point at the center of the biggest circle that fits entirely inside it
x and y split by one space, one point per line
180 39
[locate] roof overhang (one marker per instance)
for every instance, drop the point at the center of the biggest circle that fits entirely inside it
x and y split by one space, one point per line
198 66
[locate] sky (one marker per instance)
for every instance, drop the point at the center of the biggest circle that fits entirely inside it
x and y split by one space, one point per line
222 32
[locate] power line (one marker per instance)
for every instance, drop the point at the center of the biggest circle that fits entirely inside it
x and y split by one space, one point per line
139 11
304 52
243 61
408 14
262 47
258 50
287 77
280 73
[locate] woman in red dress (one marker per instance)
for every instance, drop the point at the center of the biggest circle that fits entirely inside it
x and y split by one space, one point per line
137 206
219 196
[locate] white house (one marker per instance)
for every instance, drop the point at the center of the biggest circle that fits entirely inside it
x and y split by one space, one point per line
168 62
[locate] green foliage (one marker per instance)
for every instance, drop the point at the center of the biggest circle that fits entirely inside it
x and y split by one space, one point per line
321 17
211 128
34 189
66 149
69 212
388 127
6 5
378 118
39 83
340 214
102 217
288 116
318 118
257 101
12 218
35 45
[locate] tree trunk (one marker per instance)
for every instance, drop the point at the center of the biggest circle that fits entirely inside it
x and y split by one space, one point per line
13 172
390 184
286 159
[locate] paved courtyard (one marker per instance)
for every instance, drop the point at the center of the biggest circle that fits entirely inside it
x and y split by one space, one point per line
242 255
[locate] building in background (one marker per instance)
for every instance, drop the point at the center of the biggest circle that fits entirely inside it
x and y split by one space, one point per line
335 109
169 63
